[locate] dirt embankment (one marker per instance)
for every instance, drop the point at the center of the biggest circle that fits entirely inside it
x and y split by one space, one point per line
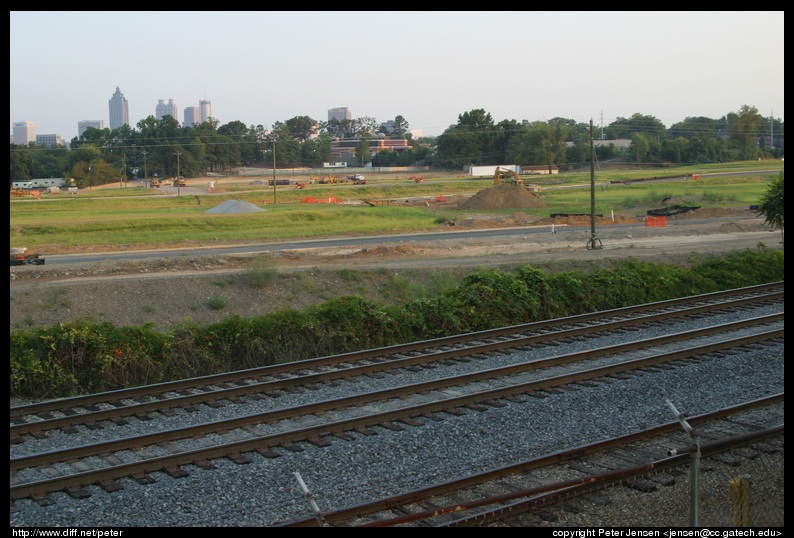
207 289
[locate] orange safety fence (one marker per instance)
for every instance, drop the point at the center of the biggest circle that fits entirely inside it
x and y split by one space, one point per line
329 200
656 222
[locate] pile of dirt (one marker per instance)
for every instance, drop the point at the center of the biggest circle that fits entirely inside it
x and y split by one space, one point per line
503 196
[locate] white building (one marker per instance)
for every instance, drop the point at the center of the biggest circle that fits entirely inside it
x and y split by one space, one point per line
24 132
164 109
340 114
205 108
85 124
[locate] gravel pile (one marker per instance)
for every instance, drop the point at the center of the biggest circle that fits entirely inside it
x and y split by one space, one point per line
265 491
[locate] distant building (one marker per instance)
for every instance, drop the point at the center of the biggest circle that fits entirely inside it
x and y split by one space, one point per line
192 116
119 110
164 109
340 114
344 149
205 110
85 124
49 139
416 133
24 132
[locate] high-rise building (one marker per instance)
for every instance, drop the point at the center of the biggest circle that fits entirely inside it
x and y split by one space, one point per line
205 110
24 132
166 110
49 140
119 110
192 116
85 124
340 114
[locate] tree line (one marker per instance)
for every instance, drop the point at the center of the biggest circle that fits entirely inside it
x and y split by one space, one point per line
163 148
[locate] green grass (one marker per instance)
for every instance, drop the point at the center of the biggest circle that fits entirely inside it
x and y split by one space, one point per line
131 218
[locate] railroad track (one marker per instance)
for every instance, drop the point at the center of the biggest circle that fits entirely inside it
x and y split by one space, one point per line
644 461
489 381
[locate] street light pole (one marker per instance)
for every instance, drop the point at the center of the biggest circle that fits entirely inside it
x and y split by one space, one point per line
177 172
275 199
145 175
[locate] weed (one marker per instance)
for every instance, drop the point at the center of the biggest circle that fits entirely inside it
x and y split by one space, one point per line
261 273
216 302
58 298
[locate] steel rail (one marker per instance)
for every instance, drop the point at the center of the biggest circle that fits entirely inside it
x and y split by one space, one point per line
331 428
343 515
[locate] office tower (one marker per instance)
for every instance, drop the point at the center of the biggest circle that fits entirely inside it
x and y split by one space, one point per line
206 111
24 132
49 140
340 114
119 110
85 124
166 110
192 116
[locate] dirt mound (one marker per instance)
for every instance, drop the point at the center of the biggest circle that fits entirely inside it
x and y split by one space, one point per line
503 196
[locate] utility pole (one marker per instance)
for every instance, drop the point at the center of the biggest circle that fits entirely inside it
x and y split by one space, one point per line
177 172
275 199
145 175
594 243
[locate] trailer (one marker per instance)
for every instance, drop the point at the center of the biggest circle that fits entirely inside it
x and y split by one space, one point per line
19 256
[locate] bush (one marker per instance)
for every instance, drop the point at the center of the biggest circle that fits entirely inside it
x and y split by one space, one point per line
86 356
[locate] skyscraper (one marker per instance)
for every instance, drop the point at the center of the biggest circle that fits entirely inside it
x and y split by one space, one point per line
340 114
24 132
192 116
119 110
85 124
206 110
166 110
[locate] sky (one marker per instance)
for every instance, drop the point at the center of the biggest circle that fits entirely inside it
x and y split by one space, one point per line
430 67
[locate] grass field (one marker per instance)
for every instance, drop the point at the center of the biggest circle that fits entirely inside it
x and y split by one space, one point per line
134 217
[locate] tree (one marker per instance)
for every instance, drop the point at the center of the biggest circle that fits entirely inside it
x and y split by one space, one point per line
301 127
400 126
743 128
772 205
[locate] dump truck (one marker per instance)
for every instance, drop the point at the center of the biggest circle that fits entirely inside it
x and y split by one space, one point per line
19 256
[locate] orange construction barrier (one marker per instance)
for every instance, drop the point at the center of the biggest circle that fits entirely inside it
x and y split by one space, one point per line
655 222
329 200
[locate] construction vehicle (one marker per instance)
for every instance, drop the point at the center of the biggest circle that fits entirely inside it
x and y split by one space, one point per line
19 257
300 185
502 173
154 182
417 179
180 182
327 180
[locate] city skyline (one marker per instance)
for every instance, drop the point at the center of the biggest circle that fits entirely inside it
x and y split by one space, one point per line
434 66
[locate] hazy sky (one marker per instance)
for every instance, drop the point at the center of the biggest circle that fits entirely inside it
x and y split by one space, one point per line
261 67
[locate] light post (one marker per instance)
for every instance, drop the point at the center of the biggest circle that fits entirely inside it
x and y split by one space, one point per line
145 175
594 243
177 172
275 199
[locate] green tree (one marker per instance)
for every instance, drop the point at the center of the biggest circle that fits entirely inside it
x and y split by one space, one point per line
301 127
400 126
639 146
743 128
772 204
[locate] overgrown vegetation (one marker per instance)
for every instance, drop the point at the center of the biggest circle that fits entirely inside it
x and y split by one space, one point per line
85 356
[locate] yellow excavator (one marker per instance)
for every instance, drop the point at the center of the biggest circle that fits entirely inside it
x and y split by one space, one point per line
502 173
